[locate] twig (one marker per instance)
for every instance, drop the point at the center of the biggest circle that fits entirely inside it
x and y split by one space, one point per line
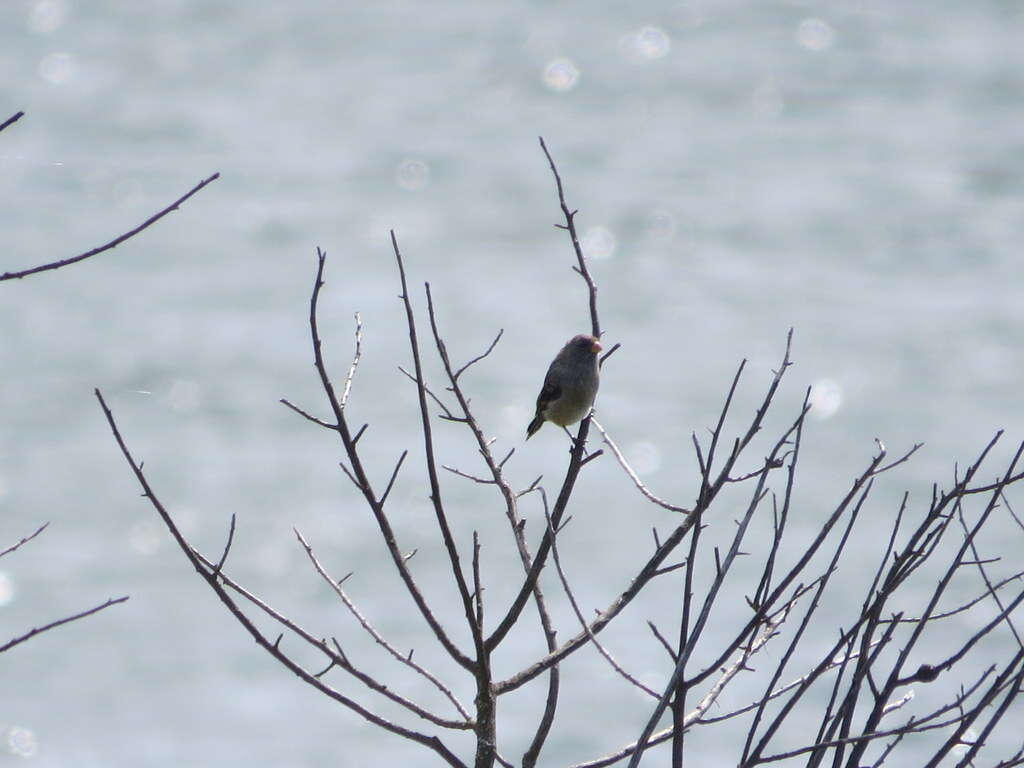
570 227
227 547
468 476
11 120
116 241
74 617
583 622
664 643
959 609
632 474
608 354
478 587
651 568
767 633
774 694
362 481
355 361
486 704
394 475
478 358
428 446
447 411
205 569
308 416
406 660
25 540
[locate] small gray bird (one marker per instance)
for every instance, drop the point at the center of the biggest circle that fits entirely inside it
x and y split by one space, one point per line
570 385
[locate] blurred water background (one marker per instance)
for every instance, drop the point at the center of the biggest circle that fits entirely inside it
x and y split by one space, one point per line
852 170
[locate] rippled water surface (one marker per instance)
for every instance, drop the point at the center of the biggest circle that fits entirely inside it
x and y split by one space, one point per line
853 171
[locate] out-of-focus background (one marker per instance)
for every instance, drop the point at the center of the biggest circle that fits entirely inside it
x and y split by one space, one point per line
851 170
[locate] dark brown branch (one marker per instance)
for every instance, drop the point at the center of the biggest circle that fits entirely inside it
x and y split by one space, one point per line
435 486
576 457
664 643
447 411
335 585
609 353
362 482
629 678
205 571
632 474
478 587
25 540
651 568
227 547
394 475
478 358
474 478
570 227
74 617
989 591
308 416
116 241
11 120
486 696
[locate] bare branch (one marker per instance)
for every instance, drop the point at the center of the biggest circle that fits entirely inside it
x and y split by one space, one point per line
25 540
406 660
355 361
428 447
570 227
609 353
227 547
474 478
362 481
478 587
478 358
113 243
11 120
74 617
632 474
664 643
447 411
205 570
308 416
631 679
394 475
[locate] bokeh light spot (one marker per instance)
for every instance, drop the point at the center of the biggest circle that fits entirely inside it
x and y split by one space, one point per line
412 175
45 16
644 457
598 243
815 34
20 741
964 745
826 398
57 68
6 588
646 44
561 75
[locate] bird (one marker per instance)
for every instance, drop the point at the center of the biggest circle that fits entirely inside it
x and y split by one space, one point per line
570 385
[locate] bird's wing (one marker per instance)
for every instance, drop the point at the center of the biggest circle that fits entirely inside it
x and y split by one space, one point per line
549 392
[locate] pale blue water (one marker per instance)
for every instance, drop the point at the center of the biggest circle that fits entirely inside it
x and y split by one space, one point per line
853 171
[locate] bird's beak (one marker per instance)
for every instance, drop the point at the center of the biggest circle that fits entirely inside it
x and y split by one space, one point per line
597 346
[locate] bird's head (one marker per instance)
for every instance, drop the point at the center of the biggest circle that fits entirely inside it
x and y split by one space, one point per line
586 343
